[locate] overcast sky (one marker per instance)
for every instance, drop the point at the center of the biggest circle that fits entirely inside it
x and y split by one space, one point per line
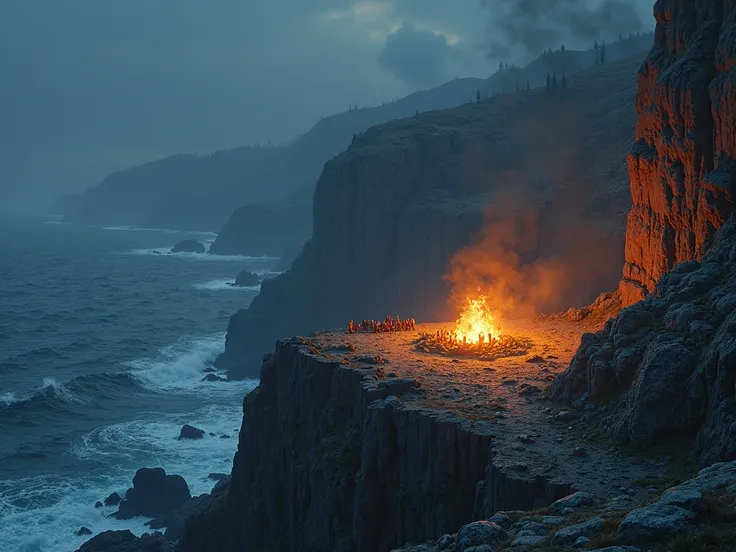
91 86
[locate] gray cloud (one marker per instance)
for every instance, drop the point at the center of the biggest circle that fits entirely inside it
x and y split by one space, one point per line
416 56
528 27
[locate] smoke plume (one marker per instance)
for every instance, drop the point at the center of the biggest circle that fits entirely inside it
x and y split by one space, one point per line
530 26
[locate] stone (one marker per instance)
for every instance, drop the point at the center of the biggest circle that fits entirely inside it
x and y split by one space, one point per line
154 493
445 541
528 389
654 523
579 452
83 531
112 500
574 501
617 549
125 541
527 439
210 377
98 504
217 476
225 436
500 518
479 548
190 432
246 279
569 535
523 541
188 246
478 533
581 542
551 520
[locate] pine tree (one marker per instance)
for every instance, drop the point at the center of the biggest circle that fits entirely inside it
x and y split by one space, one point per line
417 113
564 81
477 96
603 53
549 83
554 81
528 86
500 66
563 48
507 65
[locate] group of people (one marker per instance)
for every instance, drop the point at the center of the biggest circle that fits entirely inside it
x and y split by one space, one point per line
447 337
389 324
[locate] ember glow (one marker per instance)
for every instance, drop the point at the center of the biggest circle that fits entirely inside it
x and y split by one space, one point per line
476 323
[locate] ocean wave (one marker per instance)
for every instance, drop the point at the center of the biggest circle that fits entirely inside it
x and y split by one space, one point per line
8 398
166 252
179 366
224 284
56 222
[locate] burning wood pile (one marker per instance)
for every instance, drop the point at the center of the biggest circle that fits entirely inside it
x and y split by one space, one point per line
449 343
476 333
389 324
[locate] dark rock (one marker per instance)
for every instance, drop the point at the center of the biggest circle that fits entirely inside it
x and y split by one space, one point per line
527 389
98 504
83 531
154 494
209 370
190 432
535 359
188 246
113 500
217 476
570 534
125 541
579 452
225 436
479 533
654 523
246 279
527 439
210 377
574 501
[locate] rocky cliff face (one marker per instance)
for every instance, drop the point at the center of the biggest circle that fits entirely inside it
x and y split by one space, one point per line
391 211
308 429
681 168
665 366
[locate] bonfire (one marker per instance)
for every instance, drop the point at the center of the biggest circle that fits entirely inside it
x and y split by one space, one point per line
476 333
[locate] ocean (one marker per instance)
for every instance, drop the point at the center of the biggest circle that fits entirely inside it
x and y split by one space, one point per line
104 339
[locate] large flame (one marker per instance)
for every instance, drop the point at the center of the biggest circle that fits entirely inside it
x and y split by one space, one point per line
477 323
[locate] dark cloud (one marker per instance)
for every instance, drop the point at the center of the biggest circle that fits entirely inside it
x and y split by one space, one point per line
416 56
530 26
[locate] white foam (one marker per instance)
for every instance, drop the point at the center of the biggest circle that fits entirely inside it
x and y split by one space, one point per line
162 230
224 284
179 367
56 222
166 252
8 399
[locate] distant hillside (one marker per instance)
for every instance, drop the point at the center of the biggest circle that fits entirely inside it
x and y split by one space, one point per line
200 191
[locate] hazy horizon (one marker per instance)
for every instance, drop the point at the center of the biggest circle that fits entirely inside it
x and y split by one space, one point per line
95 87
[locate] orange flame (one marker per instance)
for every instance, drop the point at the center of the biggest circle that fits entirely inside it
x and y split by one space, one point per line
476 322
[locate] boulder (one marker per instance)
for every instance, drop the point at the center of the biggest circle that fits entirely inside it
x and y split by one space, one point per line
154 493
247 279
188 246
83 531
479 533
190 432
113 499
655 523
574 501
570 534
217 476
210 377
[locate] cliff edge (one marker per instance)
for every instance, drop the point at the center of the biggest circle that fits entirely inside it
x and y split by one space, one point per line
392 211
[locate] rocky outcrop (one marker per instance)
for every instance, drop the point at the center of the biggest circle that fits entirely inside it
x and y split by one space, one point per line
154 494
188 246
392 211
665 366
328 460
246 279
265 230
682 167
125 541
